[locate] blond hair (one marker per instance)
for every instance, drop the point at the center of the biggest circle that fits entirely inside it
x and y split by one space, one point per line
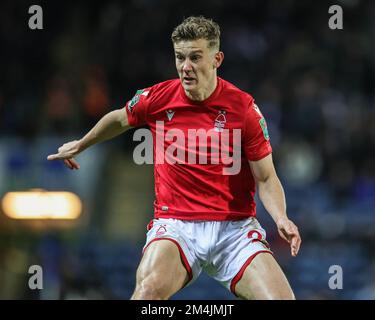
194 28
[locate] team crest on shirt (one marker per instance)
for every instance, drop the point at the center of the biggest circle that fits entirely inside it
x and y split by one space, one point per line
220 121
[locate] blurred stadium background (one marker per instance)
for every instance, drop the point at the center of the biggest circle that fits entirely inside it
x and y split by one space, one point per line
314 85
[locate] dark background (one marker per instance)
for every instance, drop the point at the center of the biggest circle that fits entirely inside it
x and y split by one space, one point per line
314 85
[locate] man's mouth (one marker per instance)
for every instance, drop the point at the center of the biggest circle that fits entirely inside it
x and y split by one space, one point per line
188 79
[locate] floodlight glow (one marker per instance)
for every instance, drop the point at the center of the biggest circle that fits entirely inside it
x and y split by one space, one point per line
39 204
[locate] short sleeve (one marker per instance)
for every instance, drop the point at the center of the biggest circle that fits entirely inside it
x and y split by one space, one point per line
256 138
137 108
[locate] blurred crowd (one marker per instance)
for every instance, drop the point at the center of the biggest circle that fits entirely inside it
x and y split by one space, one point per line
314 85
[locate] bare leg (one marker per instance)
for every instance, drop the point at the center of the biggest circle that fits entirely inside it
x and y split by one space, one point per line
263 279
160 273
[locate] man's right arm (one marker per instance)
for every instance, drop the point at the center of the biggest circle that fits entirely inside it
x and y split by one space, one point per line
111 125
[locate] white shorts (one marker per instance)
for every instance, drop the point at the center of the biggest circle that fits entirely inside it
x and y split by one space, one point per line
223 249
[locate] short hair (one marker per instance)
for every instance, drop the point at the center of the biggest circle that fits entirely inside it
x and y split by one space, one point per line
198 27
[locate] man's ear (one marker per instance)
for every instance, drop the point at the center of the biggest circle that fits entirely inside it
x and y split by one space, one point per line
219 57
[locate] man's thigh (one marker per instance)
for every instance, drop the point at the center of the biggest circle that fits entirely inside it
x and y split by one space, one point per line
263 279
161 268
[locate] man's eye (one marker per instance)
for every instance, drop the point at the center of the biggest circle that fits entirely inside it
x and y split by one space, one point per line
179 57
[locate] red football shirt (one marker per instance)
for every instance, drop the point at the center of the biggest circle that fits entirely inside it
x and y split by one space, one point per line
201 191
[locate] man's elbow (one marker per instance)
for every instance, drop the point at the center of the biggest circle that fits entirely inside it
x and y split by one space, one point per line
121 117
269 177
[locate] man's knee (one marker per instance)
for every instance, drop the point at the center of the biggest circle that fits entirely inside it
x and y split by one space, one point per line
152 287
266 291
288 296
283 292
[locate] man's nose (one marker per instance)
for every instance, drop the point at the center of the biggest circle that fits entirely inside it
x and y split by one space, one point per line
186 66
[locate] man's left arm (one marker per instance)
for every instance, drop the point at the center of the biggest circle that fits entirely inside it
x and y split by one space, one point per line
272 195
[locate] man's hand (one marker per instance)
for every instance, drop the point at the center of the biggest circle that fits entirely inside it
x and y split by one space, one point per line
66 153
289 232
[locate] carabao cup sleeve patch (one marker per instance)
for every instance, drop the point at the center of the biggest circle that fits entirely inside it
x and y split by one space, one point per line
136 108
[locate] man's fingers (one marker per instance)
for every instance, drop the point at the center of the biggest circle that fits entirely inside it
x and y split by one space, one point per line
296 242
71 164
289 232
74 163
284 235
53 156
293 246
68 164
66 153
295 249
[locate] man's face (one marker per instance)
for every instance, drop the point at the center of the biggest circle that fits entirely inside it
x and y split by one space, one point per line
196 64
